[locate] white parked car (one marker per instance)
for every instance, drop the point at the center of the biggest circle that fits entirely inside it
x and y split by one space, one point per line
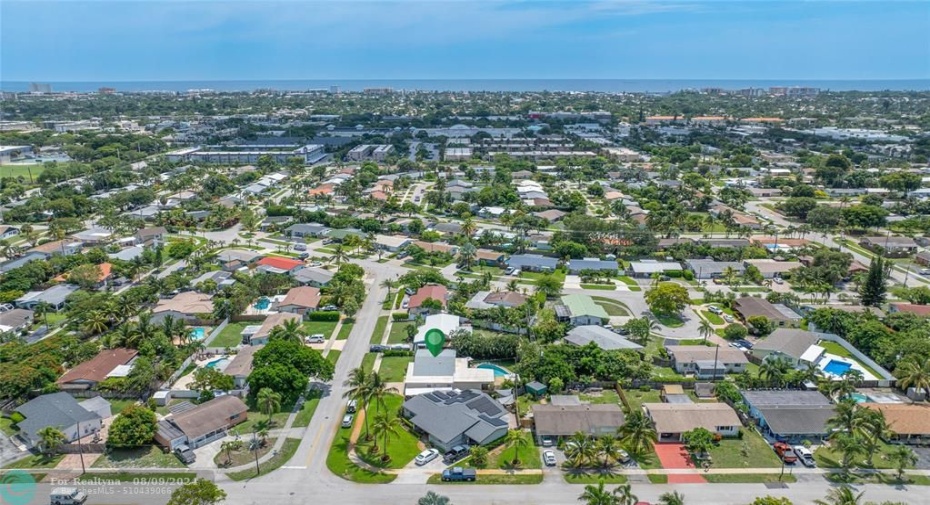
426 456
317 338
549 458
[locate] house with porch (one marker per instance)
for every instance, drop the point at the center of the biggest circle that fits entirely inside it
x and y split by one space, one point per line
673 420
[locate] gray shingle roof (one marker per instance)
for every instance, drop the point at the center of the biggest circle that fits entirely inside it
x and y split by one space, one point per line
427 365
787 341
760 399
604 338
532 261
446 416
60 410
798 420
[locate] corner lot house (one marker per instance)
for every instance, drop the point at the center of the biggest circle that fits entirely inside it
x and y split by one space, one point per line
436 292
108 363
313 276
300 300
790 415
279 265
707 362
59 410
580 310
189 306
468 417
201 424
443 372
602 337
559 420
892 246
673 420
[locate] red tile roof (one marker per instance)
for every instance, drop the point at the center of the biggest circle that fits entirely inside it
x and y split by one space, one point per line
434 291
282 263
97 368
305 296
920 310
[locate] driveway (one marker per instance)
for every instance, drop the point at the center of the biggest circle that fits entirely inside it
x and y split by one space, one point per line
675 456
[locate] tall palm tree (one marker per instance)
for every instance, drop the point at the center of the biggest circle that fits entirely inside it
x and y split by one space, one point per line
42 309
914 374
638 433
597 495
269 402
841 496
845 418
96 323
580 449
624 494
339 254
673 498
385 426
517 440
358 385
849 445
290 330
389 284
773 371
608 446
431 498
706 329
469 227
50 439
874 428
902 457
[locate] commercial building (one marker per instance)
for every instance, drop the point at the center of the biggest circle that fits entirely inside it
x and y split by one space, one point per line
308 154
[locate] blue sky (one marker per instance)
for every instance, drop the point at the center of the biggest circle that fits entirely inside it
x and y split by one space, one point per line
126 40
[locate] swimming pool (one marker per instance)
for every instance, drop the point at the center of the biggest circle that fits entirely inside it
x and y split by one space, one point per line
837 368
262 303
498 371
218 363
197 333
858 397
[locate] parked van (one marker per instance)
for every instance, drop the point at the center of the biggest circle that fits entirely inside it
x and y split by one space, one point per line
351 406
67 496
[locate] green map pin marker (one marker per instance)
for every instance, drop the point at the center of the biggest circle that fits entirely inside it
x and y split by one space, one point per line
435 338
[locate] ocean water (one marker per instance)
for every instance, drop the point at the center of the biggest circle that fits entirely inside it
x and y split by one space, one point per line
596 85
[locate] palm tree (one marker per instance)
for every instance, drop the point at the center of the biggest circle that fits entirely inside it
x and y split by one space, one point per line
96 323
638 433
841 496
674 498
467 255
580 449
42 309
290 330
624 493
902 457
914 374
874 428
228 447
845 418
339 254
269 402
849 445
598 495
608 446
358 385
378 389
469 227
773 371
432 498
50 439
517 440
389 284
706 329
385 426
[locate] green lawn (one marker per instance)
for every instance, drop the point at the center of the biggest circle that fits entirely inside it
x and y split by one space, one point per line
345 330
394 368
306 412
637 398
243 455
324 327
657 478
634 286
713 318
278 420
287 451
747 478
231 336
670 321
333 355
558 274
6 426
835 348
827 457
368 361
24 171
605 396
612 307
37 462
338 462
750 452
535 478
402 448
398 334
143 457
593 477
648 461
379 330
118 405
602 287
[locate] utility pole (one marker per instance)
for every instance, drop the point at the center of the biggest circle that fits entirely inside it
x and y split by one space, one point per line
80 447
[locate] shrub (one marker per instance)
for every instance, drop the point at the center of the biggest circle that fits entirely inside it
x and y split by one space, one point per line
674 274
324 316
396 352
688 275
399 316
735 331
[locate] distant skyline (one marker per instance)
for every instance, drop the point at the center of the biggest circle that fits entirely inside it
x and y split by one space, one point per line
138 40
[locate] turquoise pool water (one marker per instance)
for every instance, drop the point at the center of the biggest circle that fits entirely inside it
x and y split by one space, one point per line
837 368
197 333
498 371
262 303
859 397
218 363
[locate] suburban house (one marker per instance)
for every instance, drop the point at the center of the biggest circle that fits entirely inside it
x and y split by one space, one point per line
447 323
241 365
484 300
771 269
593 264
271 322
151 237
646 268
304 230
468 417
15 263
54 297
566 415
199 425
234 259
63 247
910 308
436 247
220 278
489 257
711 269
892 246
790 343
391 243
313 276
60 410
602 337
279 265
781 315
533 262
300 300
790 416
673 420
436 292
443 372
551 215
15 320
580 310
706 362
107 363
7 231
910 422
189 306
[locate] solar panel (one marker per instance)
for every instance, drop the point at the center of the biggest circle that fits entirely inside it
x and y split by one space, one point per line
494 421
181 407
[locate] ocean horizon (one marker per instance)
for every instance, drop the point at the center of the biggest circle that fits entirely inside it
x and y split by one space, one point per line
475 85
